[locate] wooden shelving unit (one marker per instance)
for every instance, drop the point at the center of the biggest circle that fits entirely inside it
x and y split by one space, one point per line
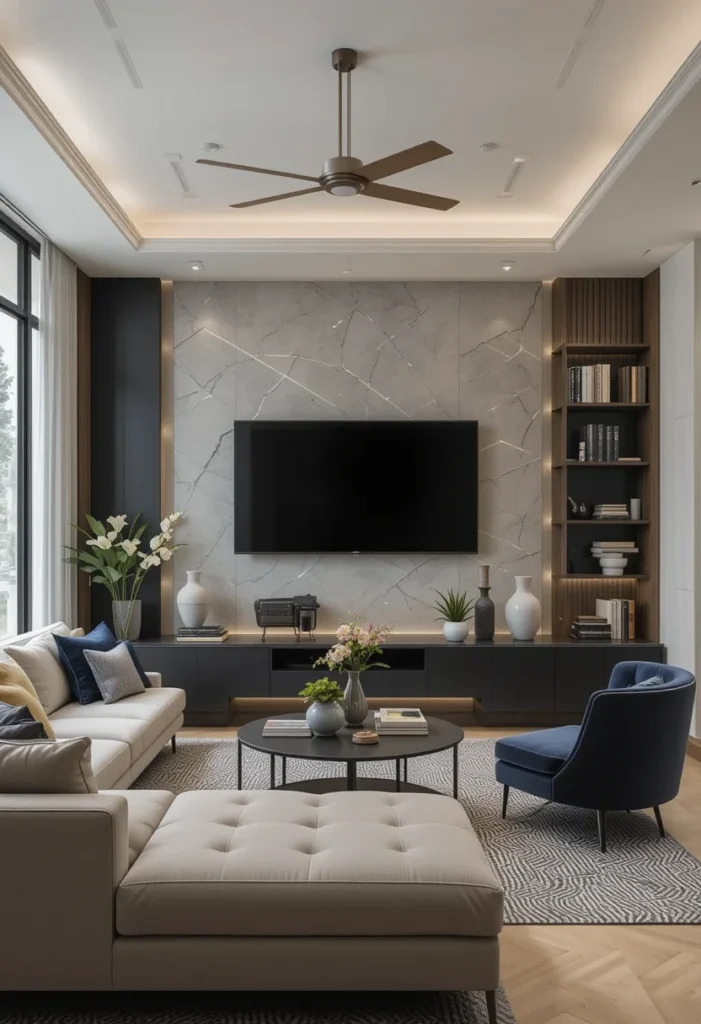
616 321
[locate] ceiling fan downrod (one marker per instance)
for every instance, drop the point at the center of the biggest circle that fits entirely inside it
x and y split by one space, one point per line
341 175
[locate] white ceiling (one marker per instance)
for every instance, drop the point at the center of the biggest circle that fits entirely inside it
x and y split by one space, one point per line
256 77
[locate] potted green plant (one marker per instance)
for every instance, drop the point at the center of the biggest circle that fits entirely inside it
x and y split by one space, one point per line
455 609
324 715
113 557
357 646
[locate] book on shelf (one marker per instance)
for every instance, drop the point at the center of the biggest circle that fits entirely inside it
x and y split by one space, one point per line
286 727
620 613
611 511
201 630
632 384
203 638
588 384
600 442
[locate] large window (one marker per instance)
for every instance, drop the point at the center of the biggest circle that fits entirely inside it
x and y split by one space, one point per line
20 294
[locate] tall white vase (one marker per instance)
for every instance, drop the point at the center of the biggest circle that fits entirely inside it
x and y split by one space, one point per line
193 601
523 615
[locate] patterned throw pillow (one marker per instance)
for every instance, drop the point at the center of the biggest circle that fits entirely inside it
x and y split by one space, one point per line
649 684
115 673
17 723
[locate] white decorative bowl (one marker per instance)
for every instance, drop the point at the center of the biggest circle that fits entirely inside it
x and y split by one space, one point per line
613 565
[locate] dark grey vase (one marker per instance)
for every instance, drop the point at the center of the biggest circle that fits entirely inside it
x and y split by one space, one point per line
484 615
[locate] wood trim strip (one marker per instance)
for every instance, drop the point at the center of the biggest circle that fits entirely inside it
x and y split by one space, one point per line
693 748
83 289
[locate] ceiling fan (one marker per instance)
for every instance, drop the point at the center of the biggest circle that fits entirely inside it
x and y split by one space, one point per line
345 175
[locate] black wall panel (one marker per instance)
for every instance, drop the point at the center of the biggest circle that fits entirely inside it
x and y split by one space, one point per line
126 417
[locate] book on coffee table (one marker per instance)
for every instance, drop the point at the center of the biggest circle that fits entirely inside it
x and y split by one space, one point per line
400 722
287 727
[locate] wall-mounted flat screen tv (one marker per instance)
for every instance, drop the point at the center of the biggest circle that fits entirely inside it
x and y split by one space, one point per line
320 486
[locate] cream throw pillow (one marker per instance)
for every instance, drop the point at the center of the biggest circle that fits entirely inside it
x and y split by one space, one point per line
16 689
44 766
39 659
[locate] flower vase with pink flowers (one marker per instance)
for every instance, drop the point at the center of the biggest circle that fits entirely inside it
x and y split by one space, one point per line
357 646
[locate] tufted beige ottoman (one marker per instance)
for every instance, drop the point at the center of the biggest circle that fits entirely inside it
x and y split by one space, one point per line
287 890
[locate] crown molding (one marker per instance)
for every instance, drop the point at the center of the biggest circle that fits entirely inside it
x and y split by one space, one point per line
33 107
671 96
348 246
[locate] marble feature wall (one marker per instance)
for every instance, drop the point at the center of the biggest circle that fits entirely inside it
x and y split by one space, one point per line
334 351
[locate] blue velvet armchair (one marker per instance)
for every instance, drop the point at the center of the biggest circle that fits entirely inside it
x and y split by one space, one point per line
627 754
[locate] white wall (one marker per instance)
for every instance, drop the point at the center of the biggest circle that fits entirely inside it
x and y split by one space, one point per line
680 455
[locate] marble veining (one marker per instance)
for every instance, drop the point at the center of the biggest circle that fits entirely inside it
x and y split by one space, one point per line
329 351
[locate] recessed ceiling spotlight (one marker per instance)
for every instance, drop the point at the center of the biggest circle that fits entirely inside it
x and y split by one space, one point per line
346 270
507 265
210 147
487 147
196 265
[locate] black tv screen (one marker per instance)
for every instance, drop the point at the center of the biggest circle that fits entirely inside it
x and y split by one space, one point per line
319 486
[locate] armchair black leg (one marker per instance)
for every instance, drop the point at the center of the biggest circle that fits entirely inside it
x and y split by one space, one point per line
660 823
601 822
172 743
491 997
504 801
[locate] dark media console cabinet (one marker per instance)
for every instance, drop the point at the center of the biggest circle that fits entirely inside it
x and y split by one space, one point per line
513 683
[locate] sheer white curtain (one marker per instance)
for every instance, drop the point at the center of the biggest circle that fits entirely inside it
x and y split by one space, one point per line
54 441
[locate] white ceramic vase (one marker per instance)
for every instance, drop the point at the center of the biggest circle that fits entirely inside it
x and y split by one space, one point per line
193 601
456 632
523 615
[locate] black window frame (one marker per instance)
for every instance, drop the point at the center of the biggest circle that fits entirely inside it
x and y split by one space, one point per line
26 323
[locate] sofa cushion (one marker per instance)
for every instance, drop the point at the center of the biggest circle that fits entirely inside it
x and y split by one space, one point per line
17 723
115 673
545 750
40 660
111 760
44 766
287 863
146 810
137 721
71 651
16 689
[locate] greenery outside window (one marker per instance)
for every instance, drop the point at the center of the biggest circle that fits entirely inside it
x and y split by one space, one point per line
20 295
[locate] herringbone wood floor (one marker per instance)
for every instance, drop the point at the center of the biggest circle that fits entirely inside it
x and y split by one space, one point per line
603 974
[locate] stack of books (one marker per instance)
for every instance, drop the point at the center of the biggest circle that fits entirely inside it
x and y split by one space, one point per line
287 727
632 384
400 722
202 634
612 548
599 443
590 383
591 627
611 510
620 613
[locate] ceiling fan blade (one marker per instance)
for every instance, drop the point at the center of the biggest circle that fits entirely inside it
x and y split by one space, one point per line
414 157
256 170
405 195
274 199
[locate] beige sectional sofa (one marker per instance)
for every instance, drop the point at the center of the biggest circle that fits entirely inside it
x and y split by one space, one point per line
126 736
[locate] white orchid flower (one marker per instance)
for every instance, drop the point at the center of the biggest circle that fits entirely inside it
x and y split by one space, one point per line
165 524
117 523
112 535
103 543
165 554
156 541
174 516
130 546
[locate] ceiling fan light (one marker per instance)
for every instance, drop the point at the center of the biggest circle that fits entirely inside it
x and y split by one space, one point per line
343 189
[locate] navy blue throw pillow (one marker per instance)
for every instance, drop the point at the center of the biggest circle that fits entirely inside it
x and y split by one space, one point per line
16 723
70 650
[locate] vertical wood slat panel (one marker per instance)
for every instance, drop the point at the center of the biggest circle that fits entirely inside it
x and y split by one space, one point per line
603 311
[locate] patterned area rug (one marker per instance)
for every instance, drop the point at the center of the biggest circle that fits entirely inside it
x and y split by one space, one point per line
246 1008
546 856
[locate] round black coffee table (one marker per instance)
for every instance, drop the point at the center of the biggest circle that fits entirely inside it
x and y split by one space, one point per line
441 736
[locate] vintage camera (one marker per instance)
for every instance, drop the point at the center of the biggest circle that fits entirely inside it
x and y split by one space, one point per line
299 613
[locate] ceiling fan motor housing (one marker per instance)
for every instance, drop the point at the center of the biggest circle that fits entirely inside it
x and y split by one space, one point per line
341 176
